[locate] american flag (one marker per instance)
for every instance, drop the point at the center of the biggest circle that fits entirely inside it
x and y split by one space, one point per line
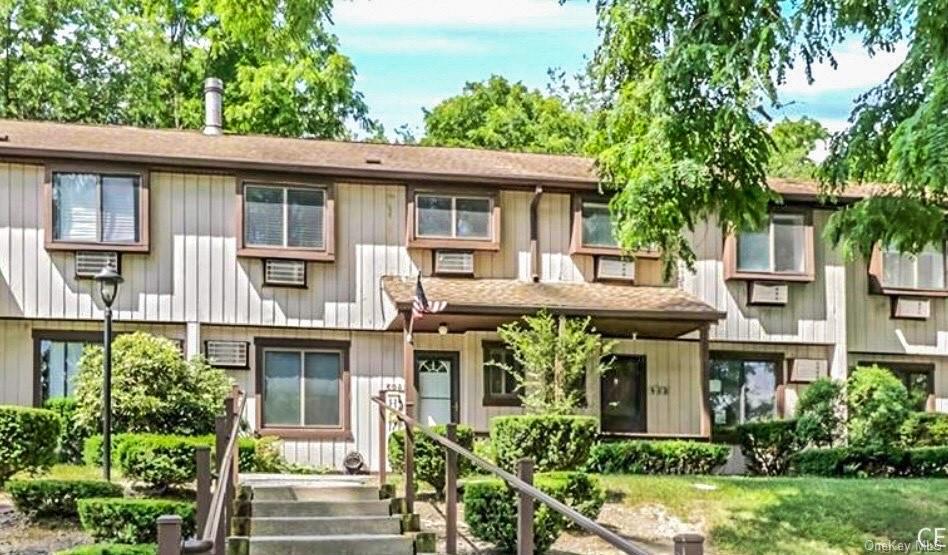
421 306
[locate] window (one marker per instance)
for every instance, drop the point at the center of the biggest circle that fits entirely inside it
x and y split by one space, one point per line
284 217
501 370
919 379
58 366
597 225
96 208
453 217
778 248
925 270
743 387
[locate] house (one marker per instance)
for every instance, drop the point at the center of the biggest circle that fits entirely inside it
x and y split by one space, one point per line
292 264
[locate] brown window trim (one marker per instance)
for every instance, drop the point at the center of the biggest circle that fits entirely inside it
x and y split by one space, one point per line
343 432
809 256
780 380
876 286
326 254
489 399
144 225
54 335
414 242
576 245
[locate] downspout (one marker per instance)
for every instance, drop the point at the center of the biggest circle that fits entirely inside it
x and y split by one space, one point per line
535 233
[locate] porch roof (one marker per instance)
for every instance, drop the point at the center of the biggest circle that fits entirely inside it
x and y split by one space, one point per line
619 309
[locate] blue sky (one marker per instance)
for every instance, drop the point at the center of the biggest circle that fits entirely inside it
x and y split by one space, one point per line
411 54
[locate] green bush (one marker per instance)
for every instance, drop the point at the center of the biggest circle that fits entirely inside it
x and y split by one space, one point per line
28 439
818 415
878 405
490 508
57 498
553 442
111 549
657 457
863 462
429 456
768 445
154 389
72 435
924 429
131 521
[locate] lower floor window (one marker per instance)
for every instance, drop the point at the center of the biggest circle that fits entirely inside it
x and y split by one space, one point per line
919 379
302 387
501 375
743 389
59 366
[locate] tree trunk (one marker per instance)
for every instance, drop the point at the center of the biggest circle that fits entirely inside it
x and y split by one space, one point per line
559 379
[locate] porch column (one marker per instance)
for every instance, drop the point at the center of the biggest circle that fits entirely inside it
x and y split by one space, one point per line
408 368
704 355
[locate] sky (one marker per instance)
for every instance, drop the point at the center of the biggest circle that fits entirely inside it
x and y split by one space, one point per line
411 54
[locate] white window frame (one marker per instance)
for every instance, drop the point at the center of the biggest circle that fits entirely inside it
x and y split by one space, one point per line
98 214
302 383
285 188
772 247
915 286
454 217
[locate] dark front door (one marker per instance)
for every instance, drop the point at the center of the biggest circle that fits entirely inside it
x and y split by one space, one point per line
436 376
623 396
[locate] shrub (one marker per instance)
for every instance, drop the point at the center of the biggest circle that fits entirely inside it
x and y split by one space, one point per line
490 508
154 390
878 405
924 429
484 449
768 445
57 498
72 434
429 456
657 457
862 462
131 521
818 416
111 549
553 442
28 439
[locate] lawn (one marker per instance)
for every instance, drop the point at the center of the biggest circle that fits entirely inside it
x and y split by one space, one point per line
792 515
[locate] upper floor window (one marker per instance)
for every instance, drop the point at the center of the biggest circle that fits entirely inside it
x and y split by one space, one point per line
597 225
284 217
783 249
453 217
97 209
925 270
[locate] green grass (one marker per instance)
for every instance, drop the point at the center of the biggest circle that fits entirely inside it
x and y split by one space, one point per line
793 515
72 472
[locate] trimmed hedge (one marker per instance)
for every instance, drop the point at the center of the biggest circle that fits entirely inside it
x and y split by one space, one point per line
768 445
861 462
131 521
29 439
657 457
490 508
72 435
924 429
163 461
57 498
429 456
553 442
111 549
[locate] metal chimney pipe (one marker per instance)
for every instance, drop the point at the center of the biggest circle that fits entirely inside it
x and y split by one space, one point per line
213 93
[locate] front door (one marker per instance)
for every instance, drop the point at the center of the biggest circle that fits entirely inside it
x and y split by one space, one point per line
436 375
623 396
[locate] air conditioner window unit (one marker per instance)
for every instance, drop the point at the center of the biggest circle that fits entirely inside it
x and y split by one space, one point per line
808 370
284 272
226 354
454 262
911 308
90 263
767 293
615 268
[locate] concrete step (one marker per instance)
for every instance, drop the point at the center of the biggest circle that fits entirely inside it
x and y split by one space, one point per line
326 492
355 544
319 525
257 508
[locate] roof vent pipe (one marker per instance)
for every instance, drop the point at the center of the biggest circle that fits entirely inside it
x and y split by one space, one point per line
213 92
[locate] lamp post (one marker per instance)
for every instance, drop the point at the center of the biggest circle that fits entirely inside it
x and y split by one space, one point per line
109 281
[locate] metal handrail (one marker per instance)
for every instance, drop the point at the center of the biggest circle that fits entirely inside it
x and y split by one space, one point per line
519 485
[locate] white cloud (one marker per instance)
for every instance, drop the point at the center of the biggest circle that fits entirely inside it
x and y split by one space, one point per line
856 70
499 14
414 43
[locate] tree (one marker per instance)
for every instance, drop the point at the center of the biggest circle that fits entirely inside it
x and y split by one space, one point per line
793 143
819 413
689 81
501 115
144 63
555 354
877 404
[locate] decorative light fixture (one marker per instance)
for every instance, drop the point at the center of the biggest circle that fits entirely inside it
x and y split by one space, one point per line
109 281
443 328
